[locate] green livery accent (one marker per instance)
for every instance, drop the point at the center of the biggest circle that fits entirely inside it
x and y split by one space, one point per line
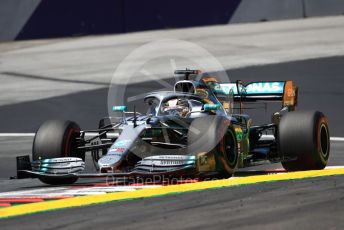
239 134
120 108
209 107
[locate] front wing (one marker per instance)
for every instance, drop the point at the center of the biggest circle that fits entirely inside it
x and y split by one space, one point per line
165 166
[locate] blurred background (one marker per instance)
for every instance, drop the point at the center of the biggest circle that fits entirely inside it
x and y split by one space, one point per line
32 19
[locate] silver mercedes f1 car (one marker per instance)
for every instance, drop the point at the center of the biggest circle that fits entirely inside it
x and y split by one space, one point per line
198 130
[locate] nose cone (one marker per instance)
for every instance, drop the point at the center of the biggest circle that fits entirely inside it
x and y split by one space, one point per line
109 161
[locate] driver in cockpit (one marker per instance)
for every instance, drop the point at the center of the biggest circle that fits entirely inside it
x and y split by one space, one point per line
176 107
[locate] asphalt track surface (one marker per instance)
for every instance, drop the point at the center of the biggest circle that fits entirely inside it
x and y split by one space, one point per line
304 204
307 204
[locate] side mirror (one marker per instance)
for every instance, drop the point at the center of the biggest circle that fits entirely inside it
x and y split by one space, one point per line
120 108
209 107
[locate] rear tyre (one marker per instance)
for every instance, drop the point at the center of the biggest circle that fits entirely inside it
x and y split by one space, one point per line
214 134
305 139
56 138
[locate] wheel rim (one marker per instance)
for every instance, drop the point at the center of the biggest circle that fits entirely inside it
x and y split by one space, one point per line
70 146
230 149
324 139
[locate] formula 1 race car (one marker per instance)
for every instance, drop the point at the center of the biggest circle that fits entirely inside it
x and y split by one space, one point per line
191 132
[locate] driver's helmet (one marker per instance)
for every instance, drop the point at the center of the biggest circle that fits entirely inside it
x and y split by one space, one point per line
176 107
213 84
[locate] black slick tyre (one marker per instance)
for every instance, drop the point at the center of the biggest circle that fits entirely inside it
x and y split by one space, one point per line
304 140
54 139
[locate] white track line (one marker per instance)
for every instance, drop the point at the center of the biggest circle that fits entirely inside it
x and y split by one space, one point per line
26 135
17 134
331 138
337 138
71 191
33 134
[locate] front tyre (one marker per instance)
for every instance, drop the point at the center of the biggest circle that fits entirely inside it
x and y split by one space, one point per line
214 134
54 139
304 139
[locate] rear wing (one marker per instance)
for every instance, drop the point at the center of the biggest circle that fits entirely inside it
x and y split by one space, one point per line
266 91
